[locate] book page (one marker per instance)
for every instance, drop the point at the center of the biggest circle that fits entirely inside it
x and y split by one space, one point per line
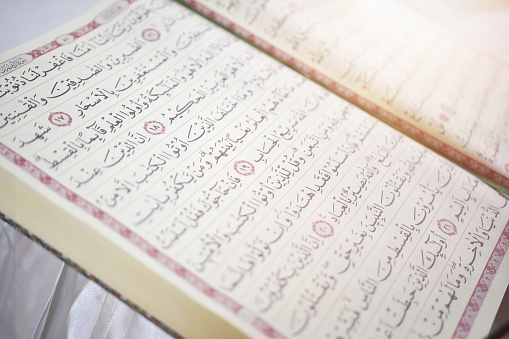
422 78
483 21
269 200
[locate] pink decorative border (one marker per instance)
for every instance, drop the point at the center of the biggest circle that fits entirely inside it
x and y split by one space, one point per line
50 46
76 34
357 99
477 298
54 44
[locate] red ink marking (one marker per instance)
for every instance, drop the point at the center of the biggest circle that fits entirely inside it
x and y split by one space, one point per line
323 228
154 127
444 117
151 34
448 109
65 39
60 119
244 168
447 227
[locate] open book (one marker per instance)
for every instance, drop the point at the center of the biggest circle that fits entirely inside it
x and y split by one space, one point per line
224 193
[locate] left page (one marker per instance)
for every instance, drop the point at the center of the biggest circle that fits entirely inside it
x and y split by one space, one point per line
263 198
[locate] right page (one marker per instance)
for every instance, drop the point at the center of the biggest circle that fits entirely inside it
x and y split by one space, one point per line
421 77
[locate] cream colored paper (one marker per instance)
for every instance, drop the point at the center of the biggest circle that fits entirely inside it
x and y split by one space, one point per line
240 184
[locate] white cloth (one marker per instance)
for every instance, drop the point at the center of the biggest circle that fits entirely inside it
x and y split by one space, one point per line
42 297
